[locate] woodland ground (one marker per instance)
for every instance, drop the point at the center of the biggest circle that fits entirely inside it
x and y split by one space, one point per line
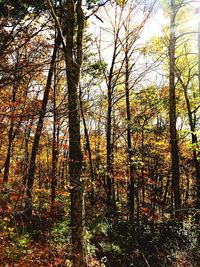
45 241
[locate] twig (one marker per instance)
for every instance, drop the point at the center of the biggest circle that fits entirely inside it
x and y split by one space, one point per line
145 260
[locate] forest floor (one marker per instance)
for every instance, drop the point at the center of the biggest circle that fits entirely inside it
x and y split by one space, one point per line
45 240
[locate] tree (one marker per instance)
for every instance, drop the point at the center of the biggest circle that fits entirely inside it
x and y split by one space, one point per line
172 113
32 164
54 142
186 72
73 53
129 47
73 67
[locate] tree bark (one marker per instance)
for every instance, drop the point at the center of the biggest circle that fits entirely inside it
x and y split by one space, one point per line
111 204
172 116
10 139
32 165
54 144
88 147
8 156
129 143
73 67
109 154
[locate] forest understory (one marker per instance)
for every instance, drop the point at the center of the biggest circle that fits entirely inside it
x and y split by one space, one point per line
45 240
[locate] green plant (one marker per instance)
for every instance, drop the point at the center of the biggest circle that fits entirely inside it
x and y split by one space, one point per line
15 244
60 233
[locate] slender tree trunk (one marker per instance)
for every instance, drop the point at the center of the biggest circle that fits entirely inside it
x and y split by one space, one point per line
164 200
111 203
129 148
73 66
195 145
26 148
114 204
109 152
87 138
32 165
186 196
75 166
63 170
155 196
8 156
172 117
10 139
54 144
143 182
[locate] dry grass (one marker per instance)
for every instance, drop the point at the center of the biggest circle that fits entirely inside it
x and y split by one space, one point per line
183 259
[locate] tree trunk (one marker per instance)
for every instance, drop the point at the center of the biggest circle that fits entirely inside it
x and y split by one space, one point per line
111 204
8 156
73 66
10 139
129 148
195 146
32 165
172 117
54 145
87 139
109 154
142 171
